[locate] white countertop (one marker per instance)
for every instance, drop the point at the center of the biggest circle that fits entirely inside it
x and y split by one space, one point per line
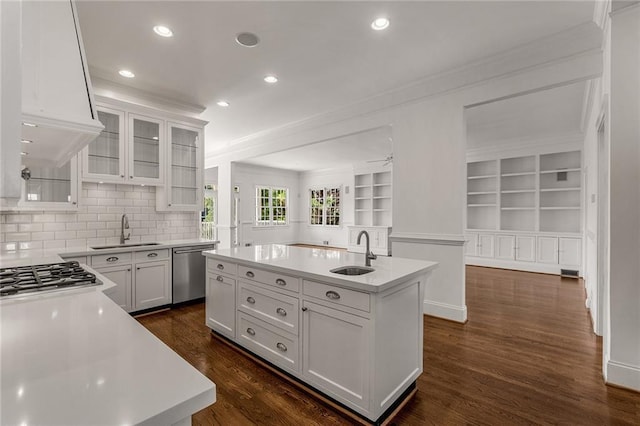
75 358
316 263
38 256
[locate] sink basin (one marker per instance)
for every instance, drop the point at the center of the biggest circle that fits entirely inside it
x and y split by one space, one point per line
352 270
125 246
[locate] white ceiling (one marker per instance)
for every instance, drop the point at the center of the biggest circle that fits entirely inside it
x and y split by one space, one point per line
530 117
325 53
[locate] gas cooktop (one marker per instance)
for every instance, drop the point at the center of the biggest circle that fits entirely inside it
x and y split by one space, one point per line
42 278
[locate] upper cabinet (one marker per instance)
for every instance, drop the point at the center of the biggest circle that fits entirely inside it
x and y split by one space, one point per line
57 99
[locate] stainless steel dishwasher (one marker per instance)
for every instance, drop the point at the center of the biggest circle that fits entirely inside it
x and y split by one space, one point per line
189 273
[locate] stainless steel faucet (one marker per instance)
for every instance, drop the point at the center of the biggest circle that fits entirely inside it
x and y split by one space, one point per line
368 254
124 224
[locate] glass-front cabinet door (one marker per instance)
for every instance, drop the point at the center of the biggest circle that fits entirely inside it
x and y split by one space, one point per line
146 140
184 186
50 188
104 158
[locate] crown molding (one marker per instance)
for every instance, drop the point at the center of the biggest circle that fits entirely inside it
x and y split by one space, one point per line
600 12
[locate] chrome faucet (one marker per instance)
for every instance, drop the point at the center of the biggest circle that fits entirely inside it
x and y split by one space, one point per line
124 224
368 255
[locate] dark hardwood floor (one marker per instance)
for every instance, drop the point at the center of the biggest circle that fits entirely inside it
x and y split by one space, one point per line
527 355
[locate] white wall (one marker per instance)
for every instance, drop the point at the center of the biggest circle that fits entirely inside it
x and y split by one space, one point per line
247 177
97 221
337 236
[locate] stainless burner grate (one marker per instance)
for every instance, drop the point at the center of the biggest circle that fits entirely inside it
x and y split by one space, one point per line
38 278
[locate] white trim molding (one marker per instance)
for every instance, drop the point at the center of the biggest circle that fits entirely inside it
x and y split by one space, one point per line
445 311
421 238
623 375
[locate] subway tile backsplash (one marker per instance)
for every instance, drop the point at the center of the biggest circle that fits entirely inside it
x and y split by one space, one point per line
97 221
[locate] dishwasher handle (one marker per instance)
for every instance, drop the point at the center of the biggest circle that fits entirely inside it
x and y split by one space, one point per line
193 250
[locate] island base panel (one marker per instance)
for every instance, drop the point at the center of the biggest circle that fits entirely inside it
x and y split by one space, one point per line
385 419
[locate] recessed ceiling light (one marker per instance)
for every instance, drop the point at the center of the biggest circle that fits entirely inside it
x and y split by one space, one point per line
222 103
126 73
163 31
271 79
26 141
29 124
247 39
380 24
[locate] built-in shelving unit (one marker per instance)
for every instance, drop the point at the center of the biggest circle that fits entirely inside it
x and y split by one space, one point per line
519 203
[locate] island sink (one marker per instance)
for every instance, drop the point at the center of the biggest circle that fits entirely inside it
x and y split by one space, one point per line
352 270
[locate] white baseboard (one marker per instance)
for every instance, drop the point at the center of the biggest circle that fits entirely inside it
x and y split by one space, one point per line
446 311
623 375
518 266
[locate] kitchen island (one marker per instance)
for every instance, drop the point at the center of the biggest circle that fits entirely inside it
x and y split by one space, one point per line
356 339
75 357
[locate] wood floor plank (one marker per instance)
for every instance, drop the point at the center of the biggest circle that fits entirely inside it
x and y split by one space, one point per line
527 355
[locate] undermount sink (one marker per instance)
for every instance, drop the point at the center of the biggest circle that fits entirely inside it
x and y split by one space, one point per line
352 270
125 245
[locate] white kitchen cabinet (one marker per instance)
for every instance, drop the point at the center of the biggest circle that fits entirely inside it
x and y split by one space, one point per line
184 187
50 188
335 347
485 245
221 303
471 245
145 136
122 276
104 158
525 248
569 251
548 249
505 246
152 285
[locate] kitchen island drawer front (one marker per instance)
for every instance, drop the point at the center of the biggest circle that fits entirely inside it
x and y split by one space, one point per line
268 342
275 279
149 255
276 309
338 295
111 259
221 267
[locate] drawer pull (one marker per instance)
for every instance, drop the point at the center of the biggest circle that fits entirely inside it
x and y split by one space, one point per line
112 259
281 312
281 346
251 331
152 255
332 295
220 266
250 274
251 300
219 278
280 281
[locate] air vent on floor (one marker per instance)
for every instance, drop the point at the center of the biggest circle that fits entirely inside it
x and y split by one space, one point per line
569 273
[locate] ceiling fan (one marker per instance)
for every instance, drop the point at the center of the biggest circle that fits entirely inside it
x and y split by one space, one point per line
387 160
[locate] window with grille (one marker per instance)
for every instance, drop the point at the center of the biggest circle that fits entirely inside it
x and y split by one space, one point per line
271 206
324 206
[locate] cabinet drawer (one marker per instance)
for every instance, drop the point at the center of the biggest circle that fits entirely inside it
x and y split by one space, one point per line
286 282
221 266
337 295
111 259
143 256
268 342
276 309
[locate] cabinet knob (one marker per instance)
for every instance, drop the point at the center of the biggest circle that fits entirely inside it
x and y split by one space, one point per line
129 270
121 176
137 269
250 274
169 204
304 309
251 331
281 312
130 177
280 281
251 300
332 295
74 203
220 266
281 347
220 278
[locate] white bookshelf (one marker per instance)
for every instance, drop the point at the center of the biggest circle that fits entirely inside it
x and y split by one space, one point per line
372 210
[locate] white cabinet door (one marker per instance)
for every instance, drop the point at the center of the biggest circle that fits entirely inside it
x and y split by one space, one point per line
221 304
505 247
485 245
103 160
335 353
548 249
146 150
471 246
525 248
121 275
570 251
152 285
51 188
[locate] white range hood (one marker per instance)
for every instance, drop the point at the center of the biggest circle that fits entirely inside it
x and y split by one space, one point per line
58 113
